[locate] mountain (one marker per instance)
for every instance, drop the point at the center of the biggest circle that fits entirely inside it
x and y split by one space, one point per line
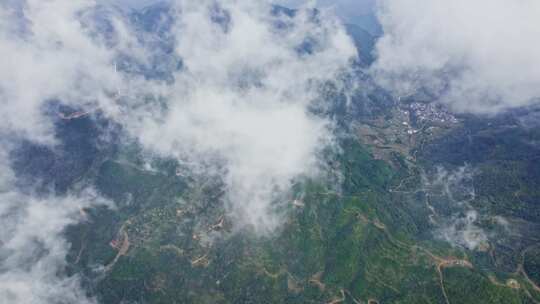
413 204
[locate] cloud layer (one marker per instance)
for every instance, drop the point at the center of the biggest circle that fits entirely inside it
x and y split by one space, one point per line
33 249
477 56
249 76
240 101
243 97
51 56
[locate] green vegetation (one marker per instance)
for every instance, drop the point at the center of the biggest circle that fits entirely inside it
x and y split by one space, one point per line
368 237
351 243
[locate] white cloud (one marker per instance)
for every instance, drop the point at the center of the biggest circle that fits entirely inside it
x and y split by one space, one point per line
243 97
464 231
477 56
47 54
33 248
451 193
51 57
